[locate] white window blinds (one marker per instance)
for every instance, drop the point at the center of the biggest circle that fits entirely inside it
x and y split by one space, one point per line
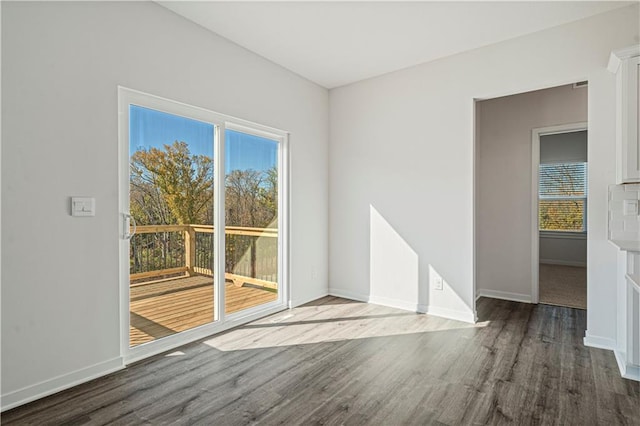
563 197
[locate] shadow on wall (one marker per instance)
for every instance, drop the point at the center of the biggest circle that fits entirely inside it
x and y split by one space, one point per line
394 273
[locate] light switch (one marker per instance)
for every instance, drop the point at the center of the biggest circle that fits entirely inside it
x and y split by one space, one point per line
83 206
630 207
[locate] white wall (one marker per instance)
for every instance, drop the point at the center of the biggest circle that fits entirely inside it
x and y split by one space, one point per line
0 199
61 64
404 144
503 173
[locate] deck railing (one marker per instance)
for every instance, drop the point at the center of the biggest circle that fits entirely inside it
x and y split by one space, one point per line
160 251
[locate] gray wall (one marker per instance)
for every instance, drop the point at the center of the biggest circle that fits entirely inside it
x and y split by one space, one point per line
563 147
61 65
563 250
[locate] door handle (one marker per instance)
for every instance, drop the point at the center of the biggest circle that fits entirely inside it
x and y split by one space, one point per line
128 222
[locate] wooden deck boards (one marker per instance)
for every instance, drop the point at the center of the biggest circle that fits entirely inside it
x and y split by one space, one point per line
163 308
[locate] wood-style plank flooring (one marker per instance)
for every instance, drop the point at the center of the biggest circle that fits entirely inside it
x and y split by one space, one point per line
335 361
162 308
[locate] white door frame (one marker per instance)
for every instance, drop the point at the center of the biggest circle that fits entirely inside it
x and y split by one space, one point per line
221 321
535 168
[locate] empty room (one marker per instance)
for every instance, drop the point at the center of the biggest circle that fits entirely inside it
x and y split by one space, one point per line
374 213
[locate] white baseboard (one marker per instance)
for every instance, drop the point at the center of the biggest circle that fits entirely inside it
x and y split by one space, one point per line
622 363
563 262
504 295
49 387
394 303
599 342
627 371
347 294
464 316
632 372
299 302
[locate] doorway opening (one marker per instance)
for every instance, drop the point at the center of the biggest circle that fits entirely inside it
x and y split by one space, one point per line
531 196
561 174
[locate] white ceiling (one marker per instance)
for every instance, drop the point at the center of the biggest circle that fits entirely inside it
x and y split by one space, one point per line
337 43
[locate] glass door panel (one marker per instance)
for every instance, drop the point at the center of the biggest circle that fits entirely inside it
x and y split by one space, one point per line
251 221
171 202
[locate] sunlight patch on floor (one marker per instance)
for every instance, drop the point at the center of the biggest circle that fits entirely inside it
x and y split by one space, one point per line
329 323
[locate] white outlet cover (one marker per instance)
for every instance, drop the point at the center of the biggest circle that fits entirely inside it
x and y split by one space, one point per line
630 207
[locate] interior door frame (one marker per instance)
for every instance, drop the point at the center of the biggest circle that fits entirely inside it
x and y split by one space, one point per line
535 179
221 321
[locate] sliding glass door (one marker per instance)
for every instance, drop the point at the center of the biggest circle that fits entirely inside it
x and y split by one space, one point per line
186 174
171 237
251 218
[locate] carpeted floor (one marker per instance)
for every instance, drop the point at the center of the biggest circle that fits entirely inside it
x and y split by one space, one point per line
563 286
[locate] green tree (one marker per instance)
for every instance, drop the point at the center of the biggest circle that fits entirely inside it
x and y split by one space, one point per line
269 193
251 198
171 186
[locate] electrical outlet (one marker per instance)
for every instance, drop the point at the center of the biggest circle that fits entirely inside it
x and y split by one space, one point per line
437 283
630 207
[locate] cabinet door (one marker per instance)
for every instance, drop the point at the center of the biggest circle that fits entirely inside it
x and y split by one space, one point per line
629 138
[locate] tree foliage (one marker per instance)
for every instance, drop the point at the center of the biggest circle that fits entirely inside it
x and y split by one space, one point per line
563 195
171 186
251 198
561 215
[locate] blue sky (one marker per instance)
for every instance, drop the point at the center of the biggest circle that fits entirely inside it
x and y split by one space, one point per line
149 128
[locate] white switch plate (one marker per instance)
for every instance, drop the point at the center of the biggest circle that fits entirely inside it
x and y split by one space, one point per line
630 207
83 206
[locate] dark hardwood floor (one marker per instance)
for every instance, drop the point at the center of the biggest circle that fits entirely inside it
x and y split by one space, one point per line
335 361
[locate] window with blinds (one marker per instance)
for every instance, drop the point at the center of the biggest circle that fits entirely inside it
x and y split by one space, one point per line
562 202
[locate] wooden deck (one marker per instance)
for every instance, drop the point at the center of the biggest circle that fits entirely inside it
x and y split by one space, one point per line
166 307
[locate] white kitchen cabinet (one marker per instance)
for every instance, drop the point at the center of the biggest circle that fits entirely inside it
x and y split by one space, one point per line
627 350
625 63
